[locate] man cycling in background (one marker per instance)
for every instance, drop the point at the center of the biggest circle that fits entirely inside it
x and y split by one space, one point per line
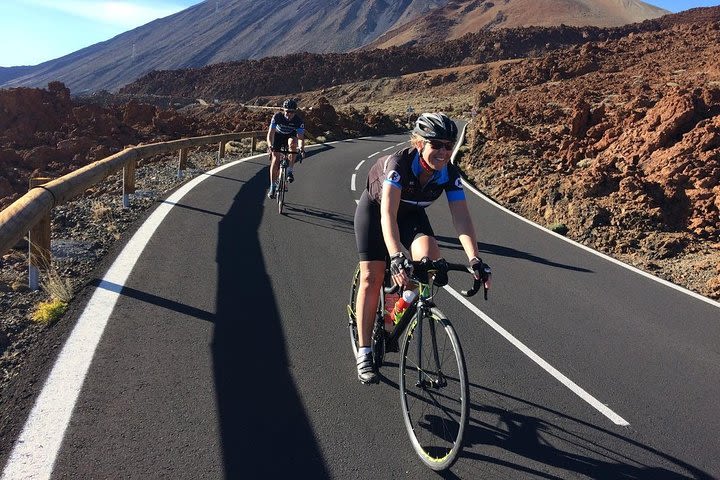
286 131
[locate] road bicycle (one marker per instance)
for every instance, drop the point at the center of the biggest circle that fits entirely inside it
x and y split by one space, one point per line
433 383
282 175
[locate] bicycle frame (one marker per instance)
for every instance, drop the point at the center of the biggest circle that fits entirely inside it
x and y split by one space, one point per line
416 311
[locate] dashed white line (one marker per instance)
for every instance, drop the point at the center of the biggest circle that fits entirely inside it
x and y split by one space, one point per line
389 148
359 164
370 156
352 182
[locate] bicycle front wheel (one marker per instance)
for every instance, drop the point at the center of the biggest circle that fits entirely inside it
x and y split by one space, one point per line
434 392
282 180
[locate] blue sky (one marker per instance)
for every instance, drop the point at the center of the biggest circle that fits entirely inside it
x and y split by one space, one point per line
34 31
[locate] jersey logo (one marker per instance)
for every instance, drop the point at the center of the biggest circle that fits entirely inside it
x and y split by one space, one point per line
393 176
458 182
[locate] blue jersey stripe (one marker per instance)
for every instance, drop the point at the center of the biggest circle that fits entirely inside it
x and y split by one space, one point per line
455 195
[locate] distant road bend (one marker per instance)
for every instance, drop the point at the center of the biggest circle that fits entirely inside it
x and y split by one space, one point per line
215 345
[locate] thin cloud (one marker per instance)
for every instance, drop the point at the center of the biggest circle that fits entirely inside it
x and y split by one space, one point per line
125 14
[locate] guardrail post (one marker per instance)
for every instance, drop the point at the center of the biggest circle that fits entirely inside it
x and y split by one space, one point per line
128 181
221 152
182 161
39 240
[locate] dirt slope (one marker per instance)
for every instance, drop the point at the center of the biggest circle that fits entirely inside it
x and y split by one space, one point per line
460 17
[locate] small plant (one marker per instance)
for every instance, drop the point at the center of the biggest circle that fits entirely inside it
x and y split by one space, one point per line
559 228
100 211
49 311
60 291
56 286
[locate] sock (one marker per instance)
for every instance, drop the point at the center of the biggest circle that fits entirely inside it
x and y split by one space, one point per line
364 350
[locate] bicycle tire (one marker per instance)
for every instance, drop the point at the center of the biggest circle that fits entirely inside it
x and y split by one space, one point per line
352 320
281 191
436 432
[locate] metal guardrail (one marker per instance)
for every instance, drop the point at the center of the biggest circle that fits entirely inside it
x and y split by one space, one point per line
31 212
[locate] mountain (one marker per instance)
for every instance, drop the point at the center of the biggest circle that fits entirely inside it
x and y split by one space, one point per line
459 17
222 30
218 31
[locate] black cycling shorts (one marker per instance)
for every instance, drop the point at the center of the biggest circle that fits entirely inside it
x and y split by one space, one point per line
368 231
280 141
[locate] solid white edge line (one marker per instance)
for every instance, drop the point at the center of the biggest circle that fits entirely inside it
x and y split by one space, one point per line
36 449
595 252
359 165
352 182
579 391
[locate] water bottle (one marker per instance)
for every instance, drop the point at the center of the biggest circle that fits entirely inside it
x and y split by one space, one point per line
402 304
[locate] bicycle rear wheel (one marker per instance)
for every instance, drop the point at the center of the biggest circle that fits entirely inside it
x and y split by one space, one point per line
282 181
352 309
434 392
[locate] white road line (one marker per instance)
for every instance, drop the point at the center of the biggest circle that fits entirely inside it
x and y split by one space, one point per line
359 164
352 182
388 148
34 453
370 156
576 389
401 143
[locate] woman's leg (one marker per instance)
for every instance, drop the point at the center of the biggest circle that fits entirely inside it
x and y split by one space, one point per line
425 246
371 280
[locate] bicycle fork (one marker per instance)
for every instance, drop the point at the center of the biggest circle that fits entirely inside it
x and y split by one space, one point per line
424 379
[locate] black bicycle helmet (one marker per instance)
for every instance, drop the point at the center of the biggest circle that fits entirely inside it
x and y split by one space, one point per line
289 104
436 126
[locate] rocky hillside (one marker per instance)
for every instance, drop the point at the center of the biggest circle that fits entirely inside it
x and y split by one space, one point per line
619 142
47 133
247 80
217 31
460 17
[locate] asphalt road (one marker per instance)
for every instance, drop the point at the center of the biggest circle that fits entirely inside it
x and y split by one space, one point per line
224 351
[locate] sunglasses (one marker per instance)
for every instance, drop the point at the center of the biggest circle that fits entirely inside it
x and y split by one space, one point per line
438 144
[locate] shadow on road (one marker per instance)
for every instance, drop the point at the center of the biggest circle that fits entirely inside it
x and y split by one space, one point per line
543 442
451 243
264 430
337 221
